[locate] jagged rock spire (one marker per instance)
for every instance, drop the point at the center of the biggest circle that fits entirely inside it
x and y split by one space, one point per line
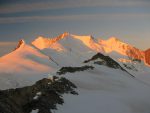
20 43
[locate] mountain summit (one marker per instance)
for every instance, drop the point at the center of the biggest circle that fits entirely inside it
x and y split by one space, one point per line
42 42
59 42
114 44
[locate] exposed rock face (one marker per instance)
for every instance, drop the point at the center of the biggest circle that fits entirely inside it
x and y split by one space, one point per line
43 96
20 44
147 56
65 70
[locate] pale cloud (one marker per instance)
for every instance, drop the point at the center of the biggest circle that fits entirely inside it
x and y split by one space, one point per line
41 5
116 16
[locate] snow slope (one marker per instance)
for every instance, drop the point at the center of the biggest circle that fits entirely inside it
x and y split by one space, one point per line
23 66
105 90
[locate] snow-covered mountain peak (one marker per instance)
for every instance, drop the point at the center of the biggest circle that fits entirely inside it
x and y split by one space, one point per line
114 39
40 42
65 34
111 42
62 41
114 44
67 42
89 41
43 42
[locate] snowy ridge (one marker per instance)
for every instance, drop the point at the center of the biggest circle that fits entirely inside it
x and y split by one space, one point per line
71 48
89 42
103 46
20 67
43 43
53 43
114 44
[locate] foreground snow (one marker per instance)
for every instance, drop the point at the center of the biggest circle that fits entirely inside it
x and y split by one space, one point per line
106 91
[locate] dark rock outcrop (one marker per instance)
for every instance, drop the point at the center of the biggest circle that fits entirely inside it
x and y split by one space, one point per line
101 59
44 95
65 70
147 56
104 60
20 43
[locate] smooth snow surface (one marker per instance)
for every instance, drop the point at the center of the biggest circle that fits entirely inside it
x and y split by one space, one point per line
104 90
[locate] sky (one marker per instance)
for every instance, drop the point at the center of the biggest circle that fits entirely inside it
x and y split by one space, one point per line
128 20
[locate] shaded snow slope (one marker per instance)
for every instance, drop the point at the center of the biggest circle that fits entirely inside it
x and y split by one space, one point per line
106 90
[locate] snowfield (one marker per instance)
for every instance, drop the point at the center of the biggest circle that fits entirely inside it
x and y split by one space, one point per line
104 90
